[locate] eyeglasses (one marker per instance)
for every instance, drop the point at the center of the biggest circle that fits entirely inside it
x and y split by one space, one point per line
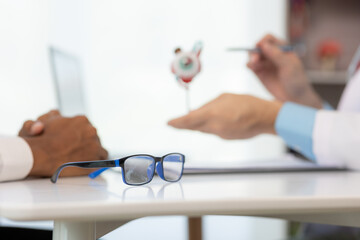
136 169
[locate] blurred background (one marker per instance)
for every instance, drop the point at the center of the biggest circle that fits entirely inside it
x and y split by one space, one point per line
125 49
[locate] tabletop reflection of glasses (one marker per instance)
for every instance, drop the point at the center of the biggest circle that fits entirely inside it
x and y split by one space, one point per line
168 191
136 169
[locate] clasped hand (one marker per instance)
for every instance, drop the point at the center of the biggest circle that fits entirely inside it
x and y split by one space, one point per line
55 140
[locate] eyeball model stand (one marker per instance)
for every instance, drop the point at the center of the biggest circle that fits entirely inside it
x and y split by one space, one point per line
186 66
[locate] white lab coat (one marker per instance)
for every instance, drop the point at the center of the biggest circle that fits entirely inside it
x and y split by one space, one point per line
336 135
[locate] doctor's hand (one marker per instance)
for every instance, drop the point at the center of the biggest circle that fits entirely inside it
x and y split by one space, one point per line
282 73
62 140
232 116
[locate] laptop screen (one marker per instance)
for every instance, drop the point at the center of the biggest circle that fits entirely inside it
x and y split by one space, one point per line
68 83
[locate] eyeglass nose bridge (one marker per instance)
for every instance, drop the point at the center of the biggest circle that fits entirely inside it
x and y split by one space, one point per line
159 169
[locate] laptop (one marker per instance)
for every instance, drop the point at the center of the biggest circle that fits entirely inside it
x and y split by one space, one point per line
68 81
67 75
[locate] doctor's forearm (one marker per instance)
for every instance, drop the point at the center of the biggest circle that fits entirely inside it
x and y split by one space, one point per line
325 136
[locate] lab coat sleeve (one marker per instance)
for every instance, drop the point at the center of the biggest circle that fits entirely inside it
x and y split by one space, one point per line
337 134
295 124
16 159
350 99
336 138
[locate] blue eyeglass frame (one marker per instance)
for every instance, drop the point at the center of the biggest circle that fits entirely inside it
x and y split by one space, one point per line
106 164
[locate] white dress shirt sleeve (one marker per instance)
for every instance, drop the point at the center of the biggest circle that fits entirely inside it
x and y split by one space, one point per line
16 159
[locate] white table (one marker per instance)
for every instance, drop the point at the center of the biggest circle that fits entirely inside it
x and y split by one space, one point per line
88 209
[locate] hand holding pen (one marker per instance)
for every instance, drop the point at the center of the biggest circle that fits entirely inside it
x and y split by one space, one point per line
282 72
282 45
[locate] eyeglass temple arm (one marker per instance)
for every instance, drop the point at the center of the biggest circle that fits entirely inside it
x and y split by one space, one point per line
92 164
97 172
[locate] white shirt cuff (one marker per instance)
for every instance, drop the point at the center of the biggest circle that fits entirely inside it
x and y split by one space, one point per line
16 159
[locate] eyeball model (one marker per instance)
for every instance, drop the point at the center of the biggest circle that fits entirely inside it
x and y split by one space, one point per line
186 65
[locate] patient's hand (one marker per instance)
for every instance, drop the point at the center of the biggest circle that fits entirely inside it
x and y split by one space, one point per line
55 140
31 128
282 73
232 116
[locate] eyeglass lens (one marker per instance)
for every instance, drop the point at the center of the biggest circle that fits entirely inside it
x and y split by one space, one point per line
173 167
139 169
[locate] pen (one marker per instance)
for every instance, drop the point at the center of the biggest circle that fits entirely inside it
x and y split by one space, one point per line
285 48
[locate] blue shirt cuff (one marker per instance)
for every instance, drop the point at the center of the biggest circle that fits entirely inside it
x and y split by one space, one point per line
295 124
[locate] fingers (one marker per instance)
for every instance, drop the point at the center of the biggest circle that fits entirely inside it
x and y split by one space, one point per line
212 110
25 130
254 59
37 128
81 119
34 128
194 120
49 116
269 38
83 125
89 132
211 125
31 128
273 53
270 51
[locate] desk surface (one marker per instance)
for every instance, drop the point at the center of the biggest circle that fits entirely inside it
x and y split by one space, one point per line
108 198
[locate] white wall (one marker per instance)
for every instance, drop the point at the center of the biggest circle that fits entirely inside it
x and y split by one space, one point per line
131 91
26 88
